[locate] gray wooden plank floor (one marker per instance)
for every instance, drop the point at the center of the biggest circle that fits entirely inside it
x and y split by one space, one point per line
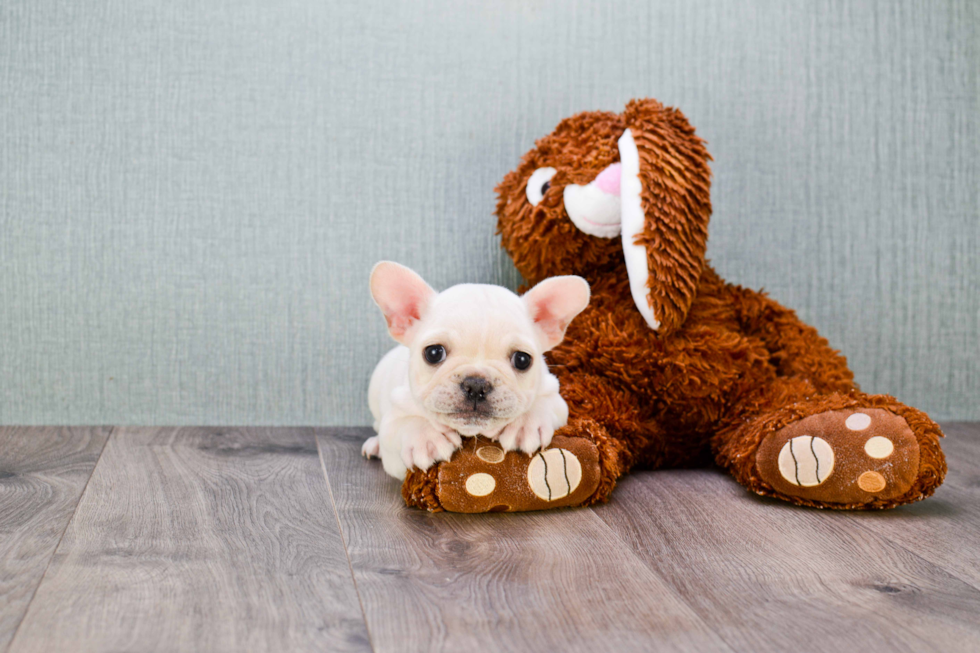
215 539
42 474
946 529
768 576
200 540
526 582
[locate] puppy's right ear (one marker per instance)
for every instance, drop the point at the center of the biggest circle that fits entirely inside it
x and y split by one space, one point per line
402 295
553 304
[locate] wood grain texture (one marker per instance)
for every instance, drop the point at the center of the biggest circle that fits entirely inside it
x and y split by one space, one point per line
768 576
944 530
549 581
192 194
42 474
227 539
200 540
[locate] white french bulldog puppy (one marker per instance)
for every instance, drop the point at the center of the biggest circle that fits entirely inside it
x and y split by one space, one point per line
470 362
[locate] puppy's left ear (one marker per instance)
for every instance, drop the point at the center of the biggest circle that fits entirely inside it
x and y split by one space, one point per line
402 295
553 304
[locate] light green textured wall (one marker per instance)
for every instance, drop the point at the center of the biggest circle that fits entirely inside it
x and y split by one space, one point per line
193 193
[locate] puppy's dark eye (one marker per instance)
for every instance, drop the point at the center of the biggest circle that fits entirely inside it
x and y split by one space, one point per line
434 354
521 360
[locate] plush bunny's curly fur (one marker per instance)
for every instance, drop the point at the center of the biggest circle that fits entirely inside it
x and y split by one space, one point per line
714 371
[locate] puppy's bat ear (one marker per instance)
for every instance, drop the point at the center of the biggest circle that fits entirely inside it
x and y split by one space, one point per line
402 295
666 205
553 304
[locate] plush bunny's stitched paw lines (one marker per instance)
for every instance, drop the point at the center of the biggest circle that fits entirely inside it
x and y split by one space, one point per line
842 457
482 477
554 474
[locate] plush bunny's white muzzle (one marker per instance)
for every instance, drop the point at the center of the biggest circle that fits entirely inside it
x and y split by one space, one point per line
595 208
610 206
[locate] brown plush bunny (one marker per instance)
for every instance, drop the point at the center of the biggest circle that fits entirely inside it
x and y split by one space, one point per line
670 365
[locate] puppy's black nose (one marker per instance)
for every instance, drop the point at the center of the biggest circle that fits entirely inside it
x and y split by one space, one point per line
476 388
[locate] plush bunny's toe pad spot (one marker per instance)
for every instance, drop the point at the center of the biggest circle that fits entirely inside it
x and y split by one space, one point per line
841 457
480 484
481 477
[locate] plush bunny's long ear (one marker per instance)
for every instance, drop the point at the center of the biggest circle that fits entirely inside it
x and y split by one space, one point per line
666 205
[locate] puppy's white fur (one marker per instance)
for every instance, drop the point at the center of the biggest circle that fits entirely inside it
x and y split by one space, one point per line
421 410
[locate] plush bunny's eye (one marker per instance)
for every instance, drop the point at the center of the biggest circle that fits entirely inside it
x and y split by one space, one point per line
538 184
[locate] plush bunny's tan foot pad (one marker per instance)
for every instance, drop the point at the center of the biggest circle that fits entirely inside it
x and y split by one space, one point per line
846 458
481 477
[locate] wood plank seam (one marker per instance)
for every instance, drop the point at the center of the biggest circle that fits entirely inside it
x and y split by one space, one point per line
199 539
953 573
925 561
27 608
628 548
425 574
949 576
343 539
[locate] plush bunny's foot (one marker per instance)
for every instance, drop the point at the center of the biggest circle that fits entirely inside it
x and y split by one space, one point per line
481 477
854 458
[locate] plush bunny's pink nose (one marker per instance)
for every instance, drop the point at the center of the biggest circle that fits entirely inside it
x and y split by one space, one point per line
608 179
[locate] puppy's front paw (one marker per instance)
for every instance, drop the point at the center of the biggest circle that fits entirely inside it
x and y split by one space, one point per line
423 444
528 433
371 447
